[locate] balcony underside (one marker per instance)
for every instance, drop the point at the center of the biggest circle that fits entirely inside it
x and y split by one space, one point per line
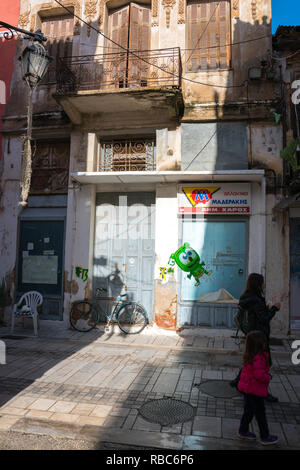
123 107
124 88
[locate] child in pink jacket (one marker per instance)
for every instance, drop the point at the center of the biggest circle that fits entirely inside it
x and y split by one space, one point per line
254 383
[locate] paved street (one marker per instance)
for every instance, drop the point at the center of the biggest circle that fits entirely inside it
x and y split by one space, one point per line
92 386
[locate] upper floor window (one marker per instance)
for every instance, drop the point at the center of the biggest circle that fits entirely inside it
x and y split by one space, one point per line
208 35
59 33
127 155
50 167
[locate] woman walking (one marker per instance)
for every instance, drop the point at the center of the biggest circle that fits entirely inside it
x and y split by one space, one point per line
254 383
259 314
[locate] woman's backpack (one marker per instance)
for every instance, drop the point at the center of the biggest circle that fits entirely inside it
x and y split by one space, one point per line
245 320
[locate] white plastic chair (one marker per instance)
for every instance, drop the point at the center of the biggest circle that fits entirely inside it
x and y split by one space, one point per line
31 301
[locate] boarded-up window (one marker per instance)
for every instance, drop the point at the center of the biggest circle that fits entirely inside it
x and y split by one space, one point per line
59 33
208 35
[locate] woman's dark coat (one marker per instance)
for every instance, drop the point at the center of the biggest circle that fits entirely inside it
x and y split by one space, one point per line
259 313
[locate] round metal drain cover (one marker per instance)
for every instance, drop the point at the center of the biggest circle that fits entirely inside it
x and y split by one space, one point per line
218 389
167 411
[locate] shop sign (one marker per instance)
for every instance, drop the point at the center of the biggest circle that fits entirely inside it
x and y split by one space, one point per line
224 198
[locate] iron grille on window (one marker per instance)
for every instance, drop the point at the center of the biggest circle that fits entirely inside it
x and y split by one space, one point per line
128 155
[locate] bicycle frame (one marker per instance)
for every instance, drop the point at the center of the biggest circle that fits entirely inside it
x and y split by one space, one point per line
119 303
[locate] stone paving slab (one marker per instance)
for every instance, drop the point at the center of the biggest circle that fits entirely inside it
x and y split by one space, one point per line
144 438
103 383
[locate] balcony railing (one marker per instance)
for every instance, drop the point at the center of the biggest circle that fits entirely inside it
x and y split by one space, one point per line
157 68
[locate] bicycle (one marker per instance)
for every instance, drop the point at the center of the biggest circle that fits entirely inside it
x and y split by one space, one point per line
130 316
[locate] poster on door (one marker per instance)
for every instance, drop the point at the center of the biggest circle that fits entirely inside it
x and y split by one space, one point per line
220 199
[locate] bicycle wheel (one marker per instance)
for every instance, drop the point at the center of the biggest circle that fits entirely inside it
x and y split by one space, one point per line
132 318
83 316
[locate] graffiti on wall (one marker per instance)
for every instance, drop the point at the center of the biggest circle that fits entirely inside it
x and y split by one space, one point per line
81 273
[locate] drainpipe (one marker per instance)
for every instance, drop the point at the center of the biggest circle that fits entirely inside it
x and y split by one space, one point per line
284 130
263 228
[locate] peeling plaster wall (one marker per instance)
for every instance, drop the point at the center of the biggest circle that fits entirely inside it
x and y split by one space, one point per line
266 146
166 242
278 269
168 146
9 209
257 230
80 221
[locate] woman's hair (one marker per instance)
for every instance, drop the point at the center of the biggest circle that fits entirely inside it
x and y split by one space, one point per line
256 343
254 283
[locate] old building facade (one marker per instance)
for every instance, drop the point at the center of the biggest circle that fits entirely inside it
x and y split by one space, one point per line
286 46
155 126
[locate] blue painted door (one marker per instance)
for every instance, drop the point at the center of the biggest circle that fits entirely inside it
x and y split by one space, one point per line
124 245
222 244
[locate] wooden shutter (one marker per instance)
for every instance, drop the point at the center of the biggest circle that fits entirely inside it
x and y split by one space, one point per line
129 26
59 31
139 32
208 30
118 32
118 28
139 40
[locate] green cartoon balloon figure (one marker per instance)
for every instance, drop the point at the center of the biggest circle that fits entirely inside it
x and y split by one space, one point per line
189 261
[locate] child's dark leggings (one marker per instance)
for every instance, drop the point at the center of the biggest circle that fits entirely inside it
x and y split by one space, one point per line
254 406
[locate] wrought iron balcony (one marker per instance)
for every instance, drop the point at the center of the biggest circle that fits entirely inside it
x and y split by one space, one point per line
107 72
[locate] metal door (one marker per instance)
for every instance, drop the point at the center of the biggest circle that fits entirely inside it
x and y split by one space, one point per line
124 245
222 244
40 265
295 273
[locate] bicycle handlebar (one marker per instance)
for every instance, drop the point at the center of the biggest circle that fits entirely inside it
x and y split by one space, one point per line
99 289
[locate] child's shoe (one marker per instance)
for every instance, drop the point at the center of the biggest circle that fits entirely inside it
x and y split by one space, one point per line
269 440
247 435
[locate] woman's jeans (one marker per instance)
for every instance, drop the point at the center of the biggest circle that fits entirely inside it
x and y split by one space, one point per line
254 406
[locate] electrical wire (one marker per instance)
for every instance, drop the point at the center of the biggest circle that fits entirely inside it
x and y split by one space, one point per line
231 43
190 49
143 60
286 57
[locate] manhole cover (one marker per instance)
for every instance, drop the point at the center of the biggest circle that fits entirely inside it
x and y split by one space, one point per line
218 389
167 411
12 337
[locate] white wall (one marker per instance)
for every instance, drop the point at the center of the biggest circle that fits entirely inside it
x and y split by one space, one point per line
166 225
